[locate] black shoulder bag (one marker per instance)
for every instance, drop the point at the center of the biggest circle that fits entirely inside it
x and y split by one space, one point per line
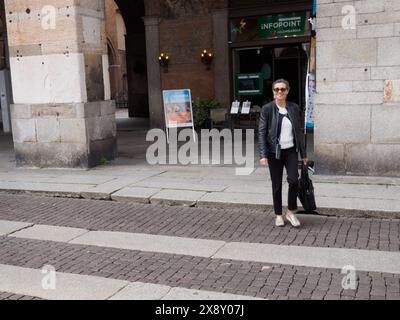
306 191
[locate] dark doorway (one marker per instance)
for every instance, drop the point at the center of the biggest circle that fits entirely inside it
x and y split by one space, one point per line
274 62
132 13
287 61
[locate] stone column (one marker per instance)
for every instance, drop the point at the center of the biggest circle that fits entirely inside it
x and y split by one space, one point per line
221 58
151 24
62 114
358 88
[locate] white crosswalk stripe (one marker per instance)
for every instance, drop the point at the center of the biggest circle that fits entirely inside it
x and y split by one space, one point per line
68 286
336 258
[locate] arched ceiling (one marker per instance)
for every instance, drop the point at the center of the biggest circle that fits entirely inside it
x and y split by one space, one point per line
132 11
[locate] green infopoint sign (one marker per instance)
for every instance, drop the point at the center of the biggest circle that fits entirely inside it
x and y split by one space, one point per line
281 25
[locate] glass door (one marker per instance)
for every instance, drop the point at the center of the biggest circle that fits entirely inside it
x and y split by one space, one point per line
274 62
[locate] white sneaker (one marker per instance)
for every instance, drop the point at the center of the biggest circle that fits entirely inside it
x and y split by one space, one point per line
279 222
293 220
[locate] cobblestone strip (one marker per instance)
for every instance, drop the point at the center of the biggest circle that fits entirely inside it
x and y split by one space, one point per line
11 296
245 278
242 225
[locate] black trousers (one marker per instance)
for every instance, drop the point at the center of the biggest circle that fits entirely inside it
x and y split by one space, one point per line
289 160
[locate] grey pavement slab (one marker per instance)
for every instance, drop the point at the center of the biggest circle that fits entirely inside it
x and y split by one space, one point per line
142 291
126 171
187 175
80 179
212 173
45 172
7 227
46 188
104 190
135 194
174 196
149 242
357 191
26 177
190 294
256 174
262 187
360 204
361 260
357 179
174 179
244 178
242 199
50 233
235 182
180 184
26 281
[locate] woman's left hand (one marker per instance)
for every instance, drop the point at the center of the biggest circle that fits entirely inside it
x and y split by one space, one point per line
305 161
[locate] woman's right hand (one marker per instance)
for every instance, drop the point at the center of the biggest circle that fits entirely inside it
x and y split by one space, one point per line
264 162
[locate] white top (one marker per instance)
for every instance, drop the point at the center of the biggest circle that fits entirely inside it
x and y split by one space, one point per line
286 139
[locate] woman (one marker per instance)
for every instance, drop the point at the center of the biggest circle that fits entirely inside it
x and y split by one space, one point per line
280 141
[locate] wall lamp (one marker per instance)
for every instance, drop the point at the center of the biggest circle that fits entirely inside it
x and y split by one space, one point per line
164 61
207 58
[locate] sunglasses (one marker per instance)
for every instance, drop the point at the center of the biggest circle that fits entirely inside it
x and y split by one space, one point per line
280 89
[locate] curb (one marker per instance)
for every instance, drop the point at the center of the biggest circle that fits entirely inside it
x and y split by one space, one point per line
266 208
55 194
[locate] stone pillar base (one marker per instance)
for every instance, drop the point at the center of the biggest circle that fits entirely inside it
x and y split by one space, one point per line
64 135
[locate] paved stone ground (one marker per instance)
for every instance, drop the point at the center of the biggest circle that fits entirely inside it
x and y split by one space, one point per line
246 278
11 296
131 178
271 281
243 225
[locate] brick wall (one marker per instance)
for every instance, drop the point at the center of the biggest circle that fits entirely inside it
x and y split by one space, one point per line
184 39
185 30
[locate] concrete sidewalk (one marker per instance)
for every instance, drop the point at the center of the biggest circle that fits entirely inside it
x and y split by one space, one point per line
131 178
207 186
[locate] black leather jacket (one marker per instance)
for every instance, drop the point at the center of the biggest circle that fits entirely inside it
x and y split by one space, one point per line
268 127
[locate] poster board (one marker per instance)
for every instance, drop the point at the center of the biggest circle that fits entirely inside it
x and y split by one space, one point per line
246 107
310 86
235 107
310 96
178 109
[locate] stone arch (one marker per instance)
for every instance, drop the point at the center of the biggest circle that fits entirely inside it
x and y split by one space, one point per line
132 13
113 61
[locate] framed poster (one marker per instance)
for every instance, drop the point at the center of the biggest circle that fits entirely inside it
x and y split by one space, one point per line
235 107
178 109
310 85
246 107
310 96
